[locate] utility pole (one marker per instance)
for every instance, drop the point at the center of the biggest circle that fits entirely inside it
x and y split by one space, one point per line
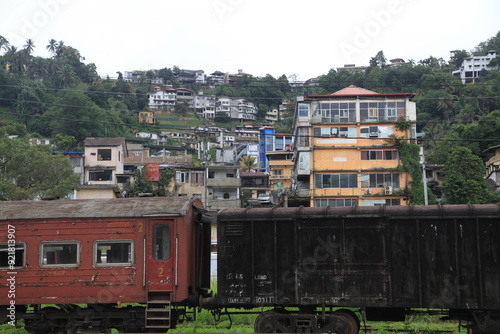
424 177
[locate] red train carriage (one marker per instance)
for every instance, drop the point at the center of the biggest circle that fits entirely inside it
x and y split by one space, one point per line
104 253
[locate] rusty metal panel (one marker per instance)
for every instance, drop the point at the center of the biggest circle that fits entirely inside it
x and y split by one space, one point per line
96 208
401 256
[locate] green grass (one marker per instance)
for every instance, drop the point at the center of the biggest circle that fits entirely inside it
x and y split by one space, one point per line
172 119
243 323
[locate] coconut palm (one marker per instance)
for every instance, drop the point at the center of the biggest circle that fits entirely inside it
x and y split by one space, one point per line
60 49
52 46
248 163
4 43
29 46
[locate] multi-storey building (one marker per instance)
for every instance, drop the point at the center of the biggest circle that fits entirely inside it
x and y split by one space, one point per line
493 167
272 115
269 141
471 67
236 109
280 171
342 153
205 105
146 117
162 99
222 187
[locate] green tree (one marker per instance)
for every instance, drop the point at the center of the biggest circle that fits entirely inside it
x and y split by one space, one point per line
463 178
248 163
141 184
64 143
31 172
379 60
52 46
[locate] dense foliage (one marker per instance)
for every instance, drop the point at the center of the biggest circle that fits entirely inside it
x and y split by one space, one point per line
63 97
32 172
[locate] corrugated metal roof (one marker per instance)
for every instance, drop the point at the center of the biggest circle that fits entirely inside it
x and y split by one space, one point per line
103 141
98 208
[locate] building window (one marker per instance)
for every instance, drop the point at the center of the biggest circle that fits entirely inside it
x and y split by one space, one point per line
12 255
278 173
338 112
113 252
391 201
181 177
100 175
303 136
104 154
379 155
59 254
197 177
381 111
380 180
161 242
303 110
335 202
335 132
336 181
376 131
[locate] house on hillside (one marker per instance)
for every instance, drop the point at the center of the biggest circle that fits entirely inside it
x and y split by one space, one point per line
471 67
104 175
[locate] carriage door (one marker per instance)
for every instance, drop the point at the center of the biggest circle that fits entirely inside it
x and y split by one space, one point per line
160 257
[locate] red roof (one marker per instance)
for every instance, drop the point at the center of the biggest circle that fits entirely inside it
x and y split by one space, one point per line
353 90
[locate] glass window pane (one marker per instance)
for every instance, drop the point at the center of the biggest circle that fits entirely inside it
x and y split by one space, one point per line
335 181
353 180
60 254
113 252
12 255
161 242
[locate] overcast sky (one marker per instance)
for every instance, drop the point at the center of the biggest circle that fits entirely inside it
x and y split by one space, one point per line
276 37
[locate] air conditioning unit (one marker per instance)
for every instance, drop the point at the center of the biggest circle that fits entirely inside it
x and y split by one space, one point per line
388 190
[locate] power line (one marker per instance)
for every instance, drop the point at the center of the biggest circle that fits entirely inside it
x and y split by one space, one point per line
259 135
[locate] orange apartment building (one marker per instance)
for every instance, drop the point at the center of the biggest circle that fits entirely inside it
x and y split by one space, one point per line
280 170
342 156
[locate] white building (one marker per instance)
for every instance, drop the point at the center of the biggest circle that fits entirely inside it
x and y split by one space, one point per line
471 67
164 99
205 105
236 109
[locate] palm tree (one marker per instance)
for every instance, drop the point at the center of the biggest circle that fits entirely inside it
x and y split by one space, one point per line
4 43
52 46
248 163
29 46
60 48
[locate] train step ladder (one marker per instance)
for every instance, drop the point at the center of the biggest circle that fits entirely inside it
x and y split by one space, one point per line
158 314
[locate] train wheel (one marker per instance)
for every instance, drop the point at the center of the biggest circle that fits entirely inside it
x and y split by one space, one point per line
351 319
267 322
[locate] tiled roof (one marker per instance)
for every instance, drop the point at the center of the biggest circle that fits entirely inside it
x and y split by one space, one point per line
353 90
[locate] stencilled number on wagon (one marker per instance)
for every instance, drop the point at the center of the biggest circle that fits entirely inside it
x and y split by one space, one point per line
141 227
236 276
160 270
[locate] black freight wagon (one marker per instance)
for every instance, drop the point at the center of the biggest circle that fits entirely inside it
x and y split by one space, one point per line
383 261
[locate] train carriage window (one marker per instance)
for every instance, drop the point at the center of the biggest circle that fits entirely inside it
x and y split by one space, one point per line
60 254
113 253
161 242
12 256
